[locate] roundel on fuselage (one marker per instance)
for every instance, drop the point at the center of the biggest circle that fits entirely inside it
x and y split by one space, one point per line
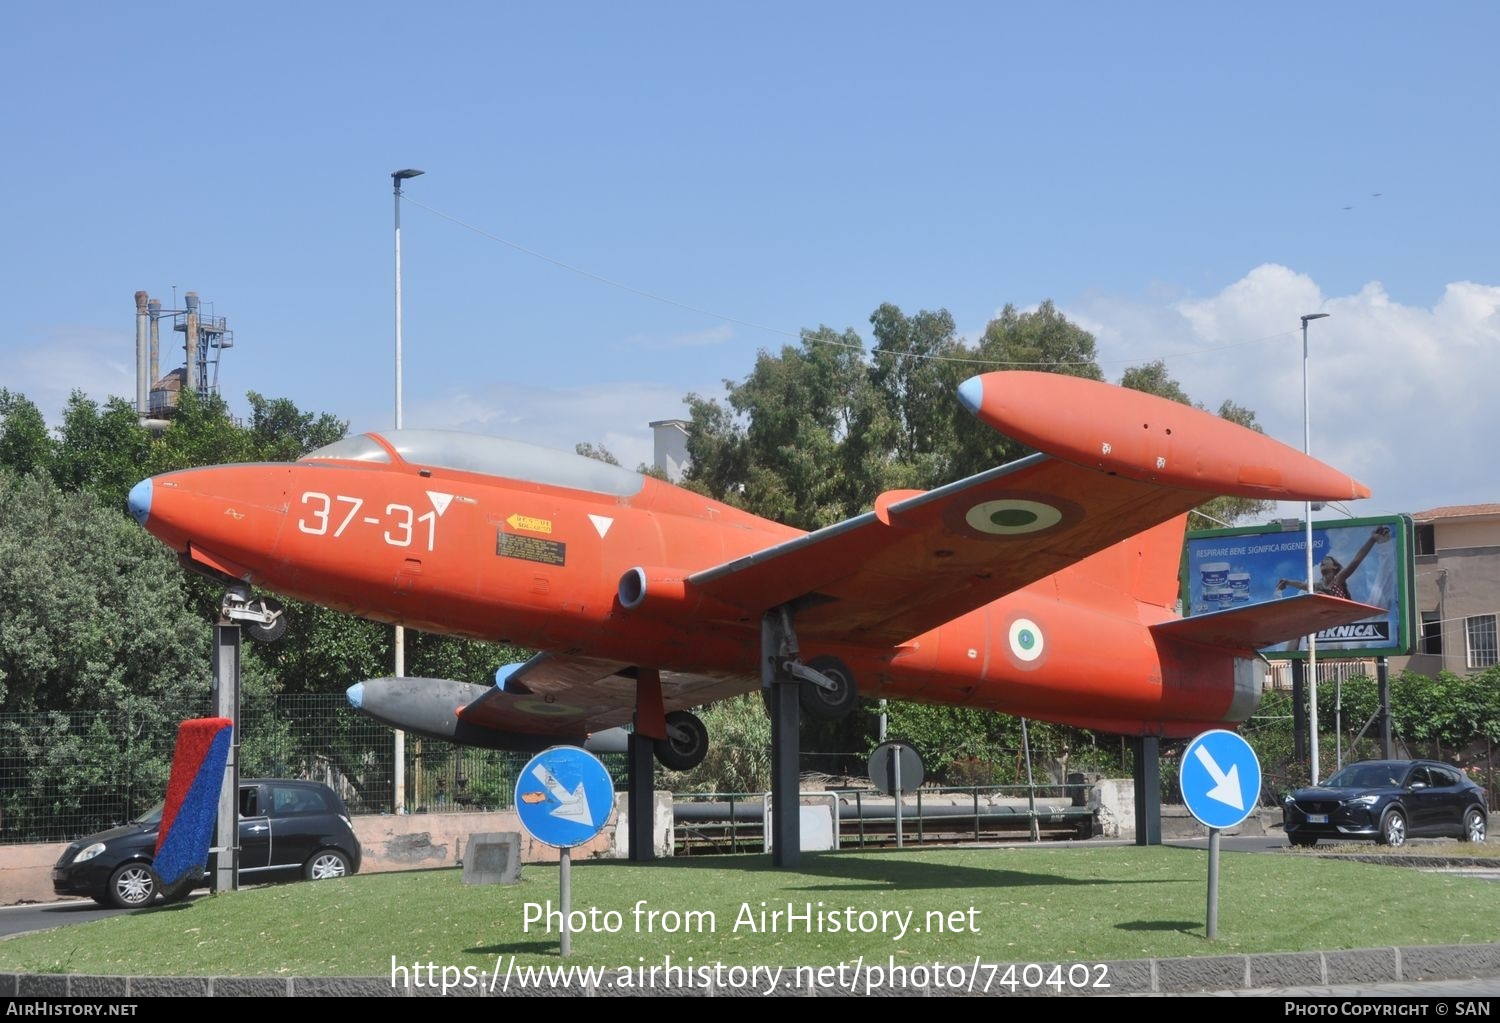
1026 643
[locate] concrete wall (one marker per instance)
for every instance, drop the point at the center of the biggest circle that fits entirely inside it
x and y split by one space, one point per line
424 841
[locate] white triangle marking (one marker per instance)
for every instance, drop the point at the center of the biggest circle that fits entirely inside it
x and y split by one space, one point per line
602 524
439 501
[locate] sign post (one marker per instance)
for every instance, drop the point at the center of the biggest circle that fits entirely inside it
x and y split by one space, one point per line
896 768
564 797
1220 782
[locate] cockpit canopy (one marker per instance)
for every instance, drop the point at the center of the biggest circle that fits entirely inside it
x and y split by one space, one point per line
491 456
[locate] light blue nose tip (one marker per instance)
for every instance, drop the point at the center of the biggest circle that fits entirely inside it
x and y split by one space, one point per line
971 393
356 694
139 501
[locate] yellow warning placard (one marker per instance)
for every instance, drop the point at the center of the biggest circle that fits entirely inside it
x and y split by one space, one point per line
530 524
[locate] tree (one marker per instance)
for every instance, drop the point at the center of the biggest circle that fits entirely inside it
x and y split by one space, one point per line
280 432
25 446
1039 341
101 450
598 454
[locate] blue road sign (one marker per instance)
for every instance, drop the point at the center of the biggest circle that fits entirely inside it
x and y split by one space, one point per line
564 796
1220 779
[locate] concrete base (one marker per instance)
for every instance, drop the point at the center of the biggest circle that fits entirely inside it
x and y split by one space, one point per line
494 858
662 838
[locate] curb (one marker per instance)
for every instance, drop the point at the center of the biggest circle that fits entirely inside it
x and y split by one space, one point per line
1190 975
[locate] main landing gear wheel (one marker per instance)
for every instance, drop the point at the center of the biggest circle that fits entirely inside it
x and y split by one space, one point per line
829 704
686 743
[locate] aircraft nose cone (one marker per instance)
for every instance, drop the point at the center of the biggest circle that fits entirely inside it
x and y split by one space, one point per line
139 501
971 393
356 694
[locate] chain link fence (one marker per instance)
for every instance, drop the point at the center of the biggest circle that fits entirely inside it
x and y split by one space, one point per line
64 775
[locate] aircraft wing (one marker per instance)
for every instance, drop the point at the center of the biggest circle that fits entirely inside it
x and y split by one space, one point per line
921 559
1114 463
562 695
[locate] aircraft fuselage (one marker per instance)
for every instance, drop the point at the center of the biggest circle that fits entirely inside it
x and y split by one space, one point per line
540 565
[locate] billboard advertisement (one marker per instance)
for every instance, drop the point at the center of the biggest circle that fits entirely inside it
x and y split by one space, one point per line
1368 560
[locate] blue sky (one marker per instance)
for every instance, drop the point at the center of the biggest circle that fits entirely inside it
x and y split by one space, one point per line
1184 180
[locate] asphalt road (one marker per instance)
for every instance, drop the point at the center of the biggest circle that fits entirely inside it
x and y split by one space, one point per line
20 919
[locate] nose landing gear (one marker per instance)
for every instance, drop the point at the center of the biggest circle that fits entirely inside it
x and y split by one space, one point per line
264 618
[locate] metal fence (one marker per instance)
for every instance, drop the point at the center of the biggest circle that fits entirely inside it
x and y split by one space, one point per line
63 775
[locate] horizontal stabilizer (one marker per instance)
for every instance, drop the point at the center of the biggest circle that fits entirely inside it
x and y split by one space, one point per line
1261 625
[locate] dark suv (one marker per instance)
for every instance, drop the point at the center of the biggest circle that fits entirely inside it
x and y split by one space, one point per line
1389 801
286 828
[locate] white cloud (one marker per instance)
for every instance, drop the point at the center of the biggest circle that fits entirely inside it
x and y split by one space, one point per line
1401 396
615 415
90 359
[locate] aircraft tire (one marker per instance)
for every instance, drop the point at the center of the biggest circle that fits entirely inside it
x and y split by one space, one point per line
687 751
826 705
273 630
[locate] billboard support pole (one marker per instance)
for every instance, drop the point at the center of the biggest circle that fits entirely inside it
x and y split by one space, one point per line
1383 680
1299 712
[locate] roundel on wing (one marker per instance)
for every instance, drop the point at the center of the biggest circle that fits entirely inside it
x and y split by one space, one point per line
1012 516
1026 642
542 707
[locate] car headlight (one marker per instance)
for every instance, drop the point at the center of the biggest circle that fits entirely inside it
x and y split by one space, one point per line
1362 801
89 853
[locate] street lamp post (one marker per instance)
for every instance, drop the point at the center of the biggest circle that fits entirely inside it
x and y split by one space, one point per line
398 795
1312 638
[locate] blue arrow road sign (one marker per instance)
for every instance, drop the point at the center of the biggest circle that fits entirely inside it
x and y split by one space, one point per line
1220 779
564 796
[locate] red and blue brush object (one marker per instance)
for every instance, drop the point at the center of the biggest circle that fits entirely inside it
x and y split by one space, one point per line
187 820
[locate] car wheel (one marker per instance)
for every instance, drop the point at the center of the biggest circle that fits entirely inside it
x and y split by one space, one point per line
325 864
132 886
1474 825
1307 841
1392 829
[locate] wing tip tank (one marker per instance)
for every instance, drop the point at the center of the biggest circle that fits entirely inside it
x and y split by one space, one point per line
1145 437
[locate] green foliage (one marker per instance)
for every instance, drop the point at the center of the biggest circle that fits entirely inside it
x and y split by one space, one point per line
964 746
598 454
1446 718
739 758
25 446
101 450
280 432
94 610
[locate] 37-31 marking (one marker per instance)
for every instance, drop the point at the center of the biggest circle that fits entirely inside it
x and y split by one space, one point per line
320 512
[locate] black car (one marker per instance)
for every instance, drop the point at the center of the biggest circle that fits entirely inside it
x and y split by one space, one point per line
1389 801
286 828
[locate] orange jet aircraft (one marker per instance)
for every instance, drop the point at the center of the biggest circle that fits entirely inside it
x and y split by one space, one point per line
1044 588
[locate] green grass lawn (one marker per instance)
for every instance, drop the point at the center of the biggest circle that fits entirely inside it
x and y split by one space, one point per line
1000 905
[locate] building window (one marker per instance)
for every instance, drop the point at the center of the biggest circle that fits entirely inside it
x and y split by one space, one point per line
1426 538
1432 632
1482 646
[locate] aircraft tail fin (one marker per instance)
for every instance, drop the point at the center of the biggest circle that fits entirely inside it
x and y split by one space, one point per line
1144 567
